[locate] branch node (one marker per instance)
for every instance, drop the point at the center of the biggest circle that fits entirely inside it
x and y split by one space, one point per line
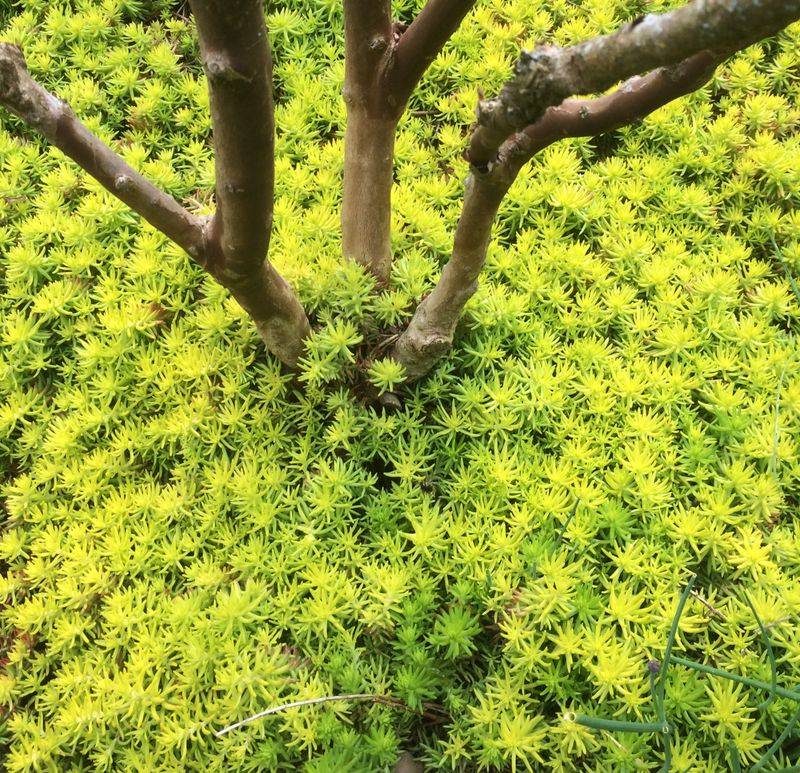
378 44
123 183
220 68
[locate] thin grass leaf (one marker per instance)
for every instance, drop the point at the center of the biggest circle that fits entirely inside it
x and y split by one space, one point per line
773 750
770 654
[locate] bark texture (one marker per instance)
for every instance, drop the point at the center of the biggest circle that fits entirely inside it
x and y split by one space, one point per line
367 195
238 64
430 332
548 75
368 38
45 113
635 99
421 43
429 335
369 137
383 64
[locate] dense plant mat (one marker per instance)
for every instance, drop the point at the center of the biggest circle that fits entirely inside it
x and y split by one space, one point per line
189 536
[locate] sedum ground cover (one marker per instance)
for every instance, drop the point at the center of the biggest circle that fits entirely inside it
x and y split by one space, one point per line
188 537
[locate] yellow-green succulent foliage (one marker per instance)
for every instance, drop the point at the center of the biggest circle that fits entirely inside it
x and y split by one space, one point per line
189 538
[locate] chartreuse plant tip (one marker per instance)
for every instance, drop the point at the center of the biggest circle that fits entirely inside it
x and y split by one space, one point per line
386 374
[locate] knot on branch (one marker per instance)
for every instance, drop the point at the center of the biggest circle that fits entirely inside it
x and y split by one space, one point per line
20 94
378 44
220 68
541 79
435 345
123 183
535 87
427 345
13 76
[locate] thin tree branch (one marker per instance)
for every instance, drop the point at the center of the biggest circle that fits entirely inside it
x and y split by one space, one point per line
548 75
420 44
39 109
430 332
636 98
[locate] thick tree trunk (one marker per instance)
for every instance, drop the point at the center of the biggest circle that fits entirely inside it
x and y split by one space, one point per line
369 137
367 205
383 64
238 62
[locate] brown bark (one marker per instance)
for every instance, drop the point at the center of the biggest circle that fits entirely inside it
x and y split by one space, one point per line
420 44
548 75
238 63
635 99
382 67
369 137
43 112
368 37
233 245
430 332
367 195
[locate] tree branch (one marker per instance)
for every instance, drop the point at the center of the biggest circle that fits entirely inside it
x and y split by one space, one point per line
234 45
635 99
429 335
42 111
430 332
383 64
367 40
421 43
548 75
368 138
238 64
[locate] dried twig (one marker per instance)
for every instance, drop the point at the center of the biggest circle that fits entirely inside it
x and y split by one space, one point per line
297 704
433 712
708 606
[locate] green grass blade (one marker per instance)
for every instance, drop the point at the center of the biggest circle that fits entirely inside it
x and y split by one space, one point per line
620 725
773 750
770 654
784 693
673 632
